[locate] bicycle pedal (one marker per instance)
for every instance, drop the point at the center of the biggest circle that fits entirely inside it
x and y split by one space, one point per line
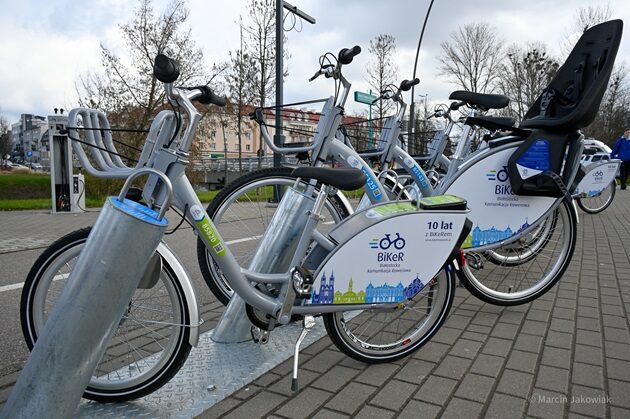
260 336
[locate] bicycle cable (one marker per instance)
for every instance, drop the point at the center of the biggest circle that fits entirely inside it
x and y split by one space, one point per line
183 215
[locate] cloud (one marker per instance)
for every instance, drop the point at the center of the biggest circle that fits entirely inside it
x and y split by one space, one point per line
46 45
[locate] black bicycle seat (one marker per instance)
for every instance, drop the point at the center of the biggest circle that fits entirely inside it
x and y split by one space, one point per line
481 100
344 179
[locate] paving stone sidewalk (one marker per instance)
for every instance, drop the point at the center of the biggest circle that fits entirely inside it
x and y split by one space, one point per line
565 355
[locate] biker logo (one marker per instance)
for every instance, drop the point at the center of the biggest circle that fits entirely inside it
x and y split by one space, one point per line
501 175
389 249
386 242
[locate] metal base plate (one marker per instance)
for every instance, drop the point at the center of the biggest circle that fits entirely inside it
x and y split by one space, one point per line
226 367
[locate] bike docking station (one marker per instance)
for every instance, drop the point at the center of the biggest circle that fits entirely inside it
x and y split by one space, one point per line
90 307
67 189
273 255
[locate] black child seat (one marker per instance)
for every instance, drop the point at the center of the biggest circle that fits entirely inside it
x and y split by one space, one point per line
570 102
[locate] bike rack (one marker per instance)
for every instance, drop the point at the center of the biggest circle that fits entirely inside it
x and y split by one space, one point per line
273 255
99 157
90 306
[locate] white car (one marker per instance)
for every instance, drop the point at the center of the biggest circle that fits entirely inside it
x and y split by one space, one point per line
15 166
598 146
588 158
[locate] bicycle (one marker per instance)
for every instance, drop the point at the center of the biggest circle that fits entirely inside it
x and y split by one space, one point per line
534 225
597 189
368 328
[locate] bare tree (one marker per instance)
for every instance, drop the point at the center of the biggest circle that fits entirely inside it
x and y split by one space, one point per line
240 80
260 29
261 43
126 88
614 113
585 18
424 127
382 69
5 140
470 59
524 74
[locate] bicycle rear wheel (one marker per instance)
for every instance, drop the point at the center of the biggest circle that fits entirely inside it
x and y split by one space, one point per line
527 247
598 203
242 211
151 342
379 335
503 281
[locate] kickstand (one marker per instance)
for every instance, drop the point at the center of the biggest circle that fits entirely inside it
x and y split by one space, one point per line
308 323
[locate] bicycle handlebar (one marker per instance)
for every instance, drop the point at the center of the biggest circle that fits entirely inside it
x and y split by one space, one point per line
347 54
165 69
207 97
408 84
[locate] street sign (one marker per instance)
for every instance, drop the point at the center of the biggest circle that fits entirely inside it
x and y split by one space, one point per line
364 98
29 154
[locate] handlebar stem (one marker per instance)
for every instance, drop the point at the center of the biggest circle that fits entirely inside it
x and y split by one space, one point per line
184 99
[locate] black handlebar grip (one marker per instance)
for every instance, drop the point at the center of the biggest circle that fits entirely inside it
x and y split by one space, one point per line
407 84
165 69
346 55
207 97
456 105
218 100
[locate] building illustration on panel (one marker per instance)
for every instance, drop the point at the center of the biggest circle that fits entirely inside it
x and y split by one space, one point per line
349 297
326 292
372 294
413 288
491 235
384 293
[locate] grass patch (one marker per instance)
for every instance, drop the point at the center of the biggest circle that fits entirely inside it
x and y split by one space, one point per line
25 204
206 196
24 186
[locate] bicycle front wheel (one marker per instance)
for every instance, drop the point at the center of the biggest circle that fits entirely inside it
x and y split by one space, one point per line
520 272
151 342
598 203
378 335
242 211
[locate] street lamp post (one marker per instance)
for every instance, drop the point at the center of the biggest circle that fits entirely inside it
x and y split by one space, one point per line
278 138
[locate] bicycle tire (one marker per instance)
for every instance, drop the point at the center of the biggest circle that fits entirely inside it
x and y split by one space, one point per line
356 346
217 209
586 204
172 355
505 277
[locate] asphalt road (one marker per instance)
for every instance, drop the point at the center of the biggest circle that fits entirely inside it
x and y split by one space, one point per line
30 228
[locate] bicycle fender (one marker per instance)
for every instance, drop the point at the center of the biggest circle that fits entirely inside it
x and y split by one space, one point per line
345 202
184 280
597 178
387 253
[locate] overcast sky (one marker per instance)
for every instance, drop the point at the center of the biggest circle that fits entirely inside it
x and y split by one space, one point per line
45 45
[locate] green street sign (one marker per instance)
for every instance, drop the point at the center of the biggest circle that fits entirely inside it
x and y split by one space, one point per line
364 98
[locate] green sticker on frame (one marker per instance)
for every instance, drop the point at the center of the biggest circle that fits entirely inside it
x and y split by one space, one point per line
209 232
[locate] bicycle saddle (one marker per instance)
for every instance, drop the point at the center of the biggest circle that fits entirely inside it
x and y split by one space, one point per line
481 100
344 179
492 123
